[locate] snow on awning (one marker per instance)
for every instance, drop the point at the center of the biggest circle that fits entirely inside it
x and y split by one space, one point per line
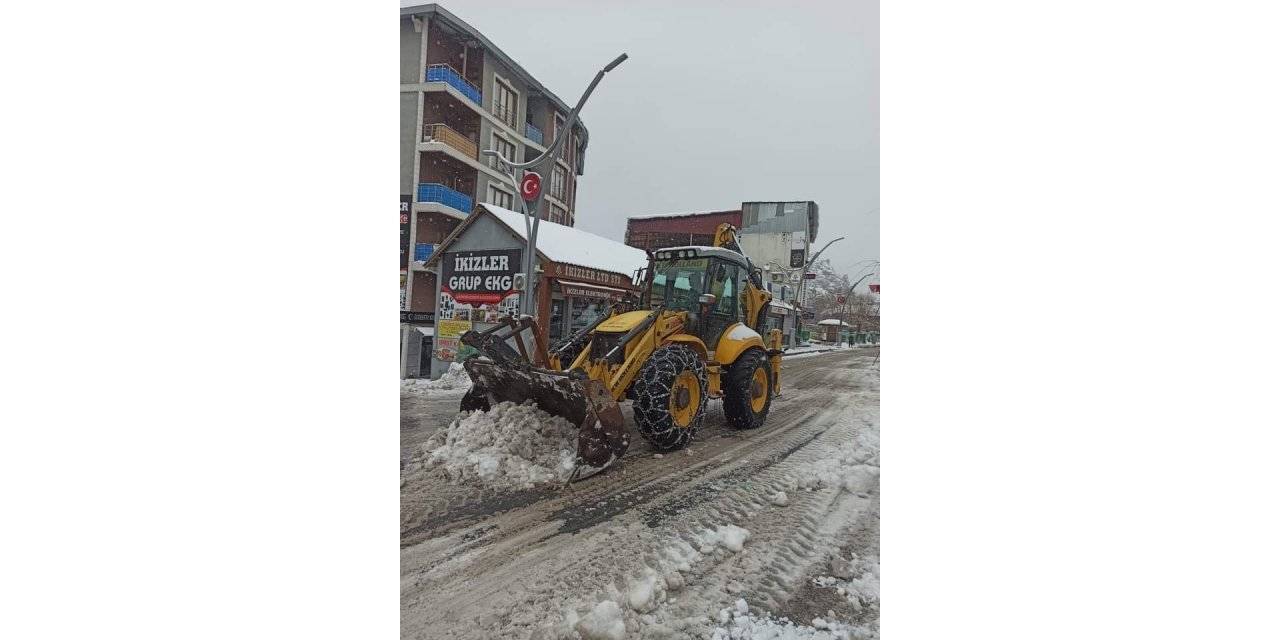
568 245
427 331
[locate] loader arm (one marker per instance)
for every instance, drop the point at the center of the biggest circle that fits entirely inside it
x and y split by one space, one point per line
756 297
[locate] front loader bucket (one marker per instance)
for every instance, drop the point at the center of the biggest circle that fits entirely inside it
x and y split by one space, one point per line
603 435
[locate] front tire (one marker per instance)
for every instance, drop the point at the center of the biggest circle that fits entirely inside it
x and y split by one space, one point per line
748 390
670 397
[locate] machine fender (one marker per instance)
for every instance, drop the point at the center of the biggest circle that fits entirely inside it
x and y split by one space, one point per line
731 346
690 341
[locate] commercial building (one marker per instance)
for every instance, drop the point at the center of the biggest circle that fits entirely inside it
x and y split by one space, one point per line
678 229
578 276
459 96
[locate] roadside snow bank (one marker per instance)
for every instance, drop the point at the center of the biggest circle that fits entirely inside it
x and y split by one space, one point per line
846 467
513 446
736 623
455 379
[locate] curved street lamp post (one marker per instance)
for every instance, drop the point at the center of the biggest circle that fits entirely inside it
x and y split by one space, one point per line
531 208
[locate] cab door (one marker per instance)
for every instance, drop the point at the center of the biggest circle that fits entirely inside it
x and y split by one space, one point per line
726 282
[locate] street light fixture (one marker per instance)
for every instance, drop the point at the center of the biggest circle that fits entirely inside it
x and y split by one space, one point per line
531 220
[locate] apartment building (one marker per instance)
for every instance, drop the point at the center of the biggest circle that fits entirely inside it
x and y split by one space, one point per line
459 96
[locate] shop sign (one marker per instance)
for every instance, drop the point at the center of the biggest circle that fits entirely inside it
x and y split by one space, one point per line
606 278
479 277
583 292
418 317
448 344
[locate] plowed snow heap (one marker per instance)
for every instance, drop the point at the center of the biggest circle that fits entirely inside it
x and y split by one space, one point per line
512 446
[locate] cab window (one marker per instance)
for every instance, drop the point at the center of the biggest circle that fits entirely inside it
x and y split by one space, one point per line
678 283
726 286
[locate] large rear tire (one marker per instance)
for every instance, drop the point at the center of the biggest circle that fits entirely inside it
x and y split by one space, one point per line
748 390
670 397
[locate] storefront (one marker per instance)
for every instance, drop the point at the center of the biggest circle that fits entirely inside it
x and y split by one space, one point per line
783 316
578 276
575 305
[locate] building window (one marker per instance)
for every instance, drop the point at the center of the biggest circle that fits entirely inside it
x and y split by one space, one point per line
559 215
504 149
559 124
558 178
501 198
504 102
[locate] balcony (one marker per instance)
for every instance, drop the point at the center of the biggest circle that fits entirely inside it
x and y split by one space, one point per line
444 134
446 74
533 133
433 192
422 252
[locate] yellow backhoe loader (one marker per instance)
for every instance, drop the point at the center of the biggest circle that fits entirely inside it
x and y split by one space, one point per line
695 334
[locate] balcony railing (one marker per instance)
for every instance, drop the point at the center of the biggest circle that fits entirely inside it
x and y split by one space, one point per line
445 134
422 252
533 133
446 74
432 192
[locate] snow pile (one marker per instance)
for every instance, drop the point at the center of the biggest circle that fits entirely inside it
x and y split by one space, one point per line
455 379
736 623
650 591
728 536
513 446
845 467
780 499
603 623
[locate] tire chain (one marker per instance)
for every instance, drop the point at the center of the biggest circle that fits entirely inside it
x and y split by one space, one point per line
654 385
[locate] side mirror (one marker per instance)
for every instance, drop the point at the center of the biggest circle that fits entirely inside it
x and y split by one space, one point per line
637 278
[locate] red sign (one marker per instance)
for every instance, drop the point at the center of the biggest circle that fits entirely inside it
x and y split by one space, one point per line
810 276
875 288
530 186
840 299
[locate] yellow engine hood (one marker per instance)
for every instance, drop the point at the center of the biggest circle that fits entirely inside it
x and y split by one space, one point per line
623 322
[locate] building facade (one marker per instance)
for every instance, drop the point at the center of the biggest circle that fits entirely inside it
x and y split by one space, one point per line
779 236
678 229
461 95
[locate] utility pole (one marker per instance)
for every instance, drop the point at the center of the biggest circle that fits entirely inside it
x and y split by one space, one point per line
552 153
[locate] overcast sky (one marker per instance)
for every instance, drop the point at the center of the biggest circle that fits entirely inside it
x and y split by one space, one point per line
718 103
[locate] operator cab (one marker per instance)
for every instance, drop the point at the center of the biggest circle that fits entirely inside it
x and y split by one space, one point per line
707 282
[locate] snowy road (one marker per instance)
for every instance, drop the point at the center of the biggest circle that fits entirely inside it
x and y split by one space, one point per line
697 544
